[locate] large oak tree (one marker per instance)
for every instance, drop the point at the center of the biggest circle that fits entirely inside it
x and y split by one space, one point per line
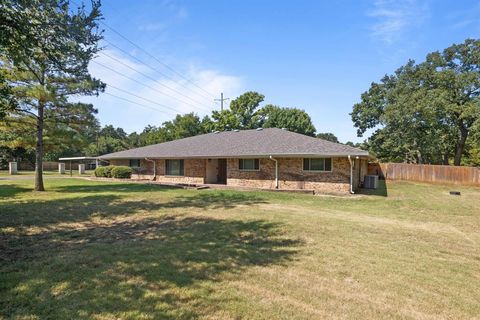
424 113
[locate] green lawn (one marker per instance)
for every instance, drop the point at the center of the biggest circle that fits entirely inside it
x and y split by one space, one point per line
101 250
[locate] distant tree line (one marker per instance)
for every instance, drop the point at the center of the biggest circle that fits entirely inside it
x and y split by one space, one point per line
85 136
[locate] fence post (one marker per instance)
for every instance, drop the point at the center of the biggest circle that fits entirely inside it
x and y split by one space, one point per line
12 168
61 168
81 168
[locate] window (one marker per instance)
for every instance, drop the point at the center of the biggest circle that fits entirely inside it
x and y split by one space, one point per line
317 164
174 167
249 164
134 163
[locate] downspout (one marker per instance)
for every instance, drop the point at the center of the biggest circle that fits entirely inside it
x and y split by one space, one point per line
351 174
276 171
154 168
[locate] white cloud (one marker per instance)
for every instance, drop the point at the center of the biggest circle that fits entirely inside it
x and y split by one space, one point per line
394 17
163 94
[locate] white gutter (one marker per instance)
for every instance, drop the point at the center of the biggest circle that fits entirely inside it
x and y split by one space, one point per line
351 174
154 168
276 171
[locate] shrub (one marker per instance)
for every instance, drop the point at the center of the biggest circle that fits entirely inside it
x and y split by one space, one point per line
108 171
100 172
121 172
104 172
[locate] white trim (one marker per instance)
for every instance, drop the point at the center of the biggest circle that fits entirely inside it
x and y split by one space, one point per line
351 174
276 170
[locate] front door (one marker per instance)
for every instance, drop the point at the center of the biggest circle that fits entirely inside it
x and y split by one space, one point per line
216 171
222 171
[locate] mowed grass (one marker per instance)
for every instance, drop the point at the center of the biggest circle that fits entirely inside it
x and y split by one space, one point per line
99 250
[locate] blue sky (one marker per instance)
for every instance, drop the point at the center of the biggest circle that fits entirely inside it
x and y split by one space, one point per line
315 55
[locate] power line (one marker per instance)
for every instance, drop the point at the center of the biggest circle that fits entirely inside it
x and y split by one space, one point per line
155 69
141 83
142 98
221 101
156 59
209 97
140 104
155 80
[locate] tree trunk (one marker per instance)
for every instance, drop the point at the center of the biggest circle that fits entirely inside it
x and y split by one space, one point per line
460 144
445 159
39 150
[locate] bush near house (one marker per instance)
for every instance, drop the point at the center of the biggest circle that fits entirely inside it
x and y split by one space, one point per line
121 172
108 171
99 172
104 172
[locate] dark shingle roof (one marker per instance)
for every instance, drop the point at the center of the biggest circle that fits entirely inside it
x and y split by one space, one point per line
243 143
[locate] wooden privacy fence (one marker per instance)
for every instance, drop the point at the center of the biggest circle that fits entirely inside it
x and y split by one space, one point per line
426 173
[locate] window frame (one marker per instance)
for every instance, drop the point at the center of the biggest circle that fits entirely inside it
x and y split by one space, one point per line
137 160
182 168
324 158
254 159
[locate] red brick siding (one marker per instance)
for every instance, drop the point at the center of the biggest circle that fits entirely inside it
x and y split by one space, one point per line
291 174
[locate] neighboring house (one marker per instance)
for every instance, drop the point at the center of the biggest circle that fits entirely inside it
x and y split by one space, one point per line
263 158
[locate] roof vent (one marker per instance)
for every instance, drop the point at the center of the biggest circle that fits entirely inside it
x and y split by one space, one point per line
236 130
259 129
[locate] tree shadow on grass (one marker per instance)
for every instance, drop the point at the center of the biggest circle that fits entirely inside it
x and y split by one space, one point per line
163 267
42 213
216 200
11 190
112 187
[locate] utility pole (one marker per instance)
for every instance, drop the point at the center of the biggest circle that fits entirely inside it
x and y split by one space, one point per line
221 101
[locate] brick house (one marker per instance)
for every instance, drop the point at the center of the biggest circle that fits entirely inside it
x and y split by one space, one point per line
263 158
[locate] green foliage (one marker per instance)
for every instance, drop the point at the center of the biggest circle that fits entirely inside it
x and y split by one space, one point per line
108 171
424 113
45 49
328 136
104 172
121 172
100 172
183 126
241 114
292 119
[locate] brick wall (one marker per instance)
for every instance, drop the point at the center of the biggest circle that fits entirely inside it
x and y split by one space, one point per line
194 170
291 176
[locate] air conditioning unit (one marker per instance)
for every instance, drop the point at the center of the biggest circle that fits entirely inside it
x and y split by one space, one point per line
370 182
